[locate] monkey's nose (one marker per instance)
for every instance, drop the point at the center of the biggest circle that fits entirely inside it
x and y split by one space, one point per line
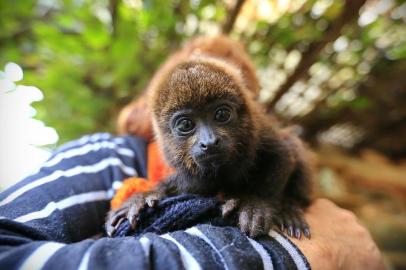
209 144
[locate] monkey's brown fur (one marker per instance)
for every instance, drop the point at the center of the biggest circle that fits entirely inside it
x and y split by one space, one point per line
135 118
259 169
192 84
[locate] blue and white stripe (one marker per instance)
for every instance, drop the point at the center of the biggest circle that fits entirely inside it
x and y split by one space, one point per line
46 219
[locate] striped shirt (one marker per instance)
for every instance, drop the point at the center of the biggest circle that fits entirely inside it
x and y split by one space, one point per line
47 220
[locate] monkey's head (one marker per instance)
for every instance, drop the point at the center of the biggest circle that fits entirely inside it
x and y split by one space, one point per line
204 118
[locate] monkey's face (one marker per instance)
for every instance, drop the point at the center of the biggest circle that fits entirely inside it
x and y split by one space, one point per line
207 134
203 119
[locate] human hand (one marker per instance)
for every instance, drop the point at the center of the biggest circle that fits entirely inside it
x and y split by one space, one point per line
338 240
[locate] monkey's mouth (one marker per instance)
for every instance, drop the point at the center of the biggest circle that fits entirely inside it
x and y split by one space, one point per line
215 159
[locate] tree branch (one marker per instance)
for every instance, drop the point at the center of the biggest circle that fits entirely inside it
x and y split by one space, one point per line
349 13
113 7
232 16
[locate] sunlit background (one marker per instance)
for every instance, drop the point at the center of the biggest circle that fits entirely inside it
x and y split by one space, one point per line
336 70
22 137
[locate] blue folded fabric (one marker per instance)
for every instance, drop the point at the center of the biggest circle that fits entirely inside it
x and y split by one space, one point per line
45 220
177 213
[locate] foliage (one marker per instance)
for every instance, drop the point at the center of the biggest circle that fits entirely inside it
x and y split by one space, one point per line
92 57
88 59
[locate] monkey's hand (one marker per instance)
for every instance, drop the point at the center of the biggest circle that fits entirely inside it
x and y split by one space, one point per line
255 216
291 219
130 210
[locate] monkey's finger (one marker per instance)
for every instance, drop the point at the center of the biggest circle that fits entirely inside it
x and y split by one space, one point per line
279 223
152 200
113 219
306 232
267 221
297 226
139 204
110 230
288 224
132 215
298 233
257 224
282 226
290 230
300 224
119 223
116 216
228 207
244 220
305 228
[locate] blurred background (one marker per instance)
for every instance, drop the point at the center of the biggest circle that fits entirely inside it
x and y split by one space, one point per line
336 70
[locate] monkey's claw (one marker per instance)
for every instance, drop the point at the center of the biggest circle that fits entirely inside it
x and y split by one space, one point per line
114 219
130 211
292 221
152 200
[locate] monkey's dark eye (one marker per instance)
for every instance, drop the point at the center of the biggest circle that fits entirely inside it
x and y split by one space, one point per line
184 125
222 115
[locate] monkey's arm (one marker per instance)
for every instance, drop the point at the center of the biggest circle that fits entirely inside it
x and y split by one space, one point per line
281 190
277 163
295 195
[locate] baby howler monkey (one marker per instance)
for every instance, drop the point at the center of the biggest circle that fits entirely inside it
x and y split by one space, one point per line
221 143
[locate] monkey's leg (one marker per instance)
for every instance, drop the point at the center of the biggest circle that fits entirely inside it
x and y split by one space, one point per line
296 197
130 210
297 191
257 210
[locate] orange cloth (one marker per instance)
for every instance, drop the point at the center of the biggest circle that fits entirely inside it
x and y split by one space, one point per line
157 170
157 167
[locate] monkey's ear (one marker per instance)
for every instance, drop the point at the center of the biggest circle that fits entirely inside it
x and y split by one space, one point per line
136 119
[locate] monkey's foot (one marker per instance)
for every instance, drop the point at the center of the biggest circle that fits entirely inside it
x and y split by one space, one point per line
255 217
130 211
291 219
